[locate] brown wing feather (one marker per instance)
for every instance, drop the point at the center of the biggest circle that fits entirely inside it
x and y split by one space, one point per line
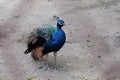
37 53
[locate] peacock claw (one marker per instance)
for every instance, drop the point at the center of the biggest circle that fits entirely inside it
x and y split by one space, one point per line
47 68
53 67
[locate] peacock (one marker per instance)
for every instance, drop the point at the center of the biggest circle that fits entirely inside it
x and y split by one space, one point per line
46 39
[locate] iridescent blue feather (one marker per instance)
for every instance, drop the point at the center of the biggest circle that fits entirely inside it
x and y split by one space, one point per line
50 38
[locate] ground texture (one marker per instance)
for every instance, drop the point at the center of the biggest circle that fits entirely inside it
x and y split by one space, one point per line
92 50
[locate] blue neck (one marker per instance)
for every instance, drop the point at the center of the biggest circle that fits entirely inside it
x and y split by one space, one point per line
59 26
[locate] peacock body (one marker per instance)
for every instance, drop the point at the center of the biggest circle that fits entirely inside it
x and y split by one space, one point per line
55 42
46 39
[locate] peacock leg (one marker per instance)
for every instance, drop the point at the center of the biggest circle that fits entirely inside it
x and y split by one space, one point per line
55 54
47 62
50 67
56 67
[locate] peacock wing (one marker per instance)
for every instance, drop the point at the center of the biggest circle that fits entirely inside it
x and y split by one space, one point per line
46 31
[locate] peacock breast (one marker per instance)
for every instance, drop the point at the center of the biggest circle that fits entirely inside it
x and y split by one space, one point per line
58 39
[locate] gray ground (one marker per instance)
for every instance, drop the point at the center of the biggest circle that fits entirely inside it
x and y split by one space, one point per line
92 50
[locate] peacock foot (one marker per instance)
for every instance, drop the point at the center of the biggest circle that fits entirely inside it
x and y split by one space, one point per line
51 67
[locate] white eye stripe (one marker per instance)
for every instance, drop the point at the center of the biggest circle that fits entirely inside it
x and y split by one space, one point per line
61 23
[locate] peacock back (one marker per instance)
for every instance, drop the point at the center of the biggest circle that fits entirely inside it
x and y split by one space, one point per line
46 31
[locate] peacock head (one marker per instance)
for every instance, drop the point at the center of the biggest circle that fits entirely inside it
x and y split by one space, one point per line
60 23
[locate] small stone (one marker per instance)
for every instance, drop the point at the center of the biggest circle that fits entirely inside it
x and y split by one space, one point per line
69 24
17 16
68 42
2 7
40 67
70 32
8 29
68 64
88 41
61 55
1 44
89 35
99 56
49 0
88 13
91 65
92 31
30 6
107 72
2 19
89 46
85 78
23 29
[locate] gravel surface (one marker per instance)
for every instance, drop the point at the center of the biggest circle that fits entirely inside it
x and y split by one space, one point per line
92 49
